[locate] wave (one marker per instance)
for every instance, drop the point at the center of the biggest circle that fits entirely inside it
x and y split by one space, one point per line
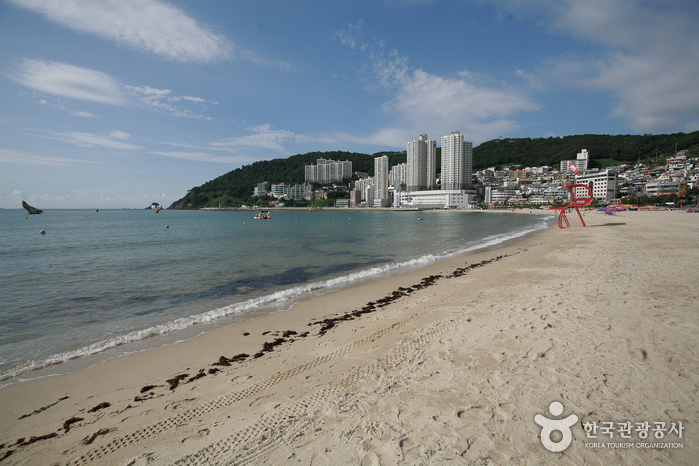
281 296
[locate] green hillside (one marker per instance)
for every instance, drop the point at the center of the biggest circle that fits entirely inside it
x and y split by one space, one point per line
235 187
604 150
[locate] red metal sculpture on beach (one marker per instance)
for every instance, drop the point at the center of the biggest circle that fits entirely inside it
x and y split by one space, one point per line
575 202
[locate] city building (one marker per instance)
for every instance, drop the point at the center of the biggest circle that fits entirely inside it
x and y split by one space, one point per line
397 176
381 198
421 164
355 197
328 171
666 187
457 159
603 185
438 198
262 189
498 195
581 163
297 191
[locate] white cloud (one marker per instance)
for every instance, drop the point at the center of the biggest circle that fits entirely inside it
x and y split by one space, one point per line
119 134
206 157
82 114
73 82
421 102
447 102
70 81
158 99
264 137
144 25
649 60
186 97
97 140
15 156
345 36
90 140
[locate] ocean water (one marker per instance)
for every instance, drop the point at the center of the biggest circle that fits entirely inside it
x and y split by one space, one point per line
101 284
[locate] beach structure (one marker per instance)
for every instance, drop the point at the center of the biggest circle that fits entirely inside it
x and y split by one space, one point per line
580 196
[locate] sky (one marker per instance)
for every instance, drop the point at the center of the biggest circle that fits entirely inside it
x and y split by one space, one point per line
120 103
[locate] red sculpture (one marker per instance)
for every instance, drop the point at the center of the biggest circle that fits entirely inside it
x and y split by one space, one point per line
575 202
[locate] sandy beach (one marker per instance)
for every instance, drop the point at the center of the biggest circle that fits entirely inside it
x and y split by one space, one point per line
447 364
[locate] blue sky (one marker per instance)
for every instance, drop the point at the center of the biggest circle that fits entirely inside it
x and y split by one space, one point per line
111 104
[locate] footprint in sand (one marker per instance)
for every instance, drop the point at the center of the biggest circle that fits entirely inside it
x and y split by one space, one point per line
370 459
202 433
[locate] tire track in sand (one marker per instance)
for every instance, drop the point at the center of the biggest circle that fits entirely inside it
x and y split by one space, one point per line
281 428
183 418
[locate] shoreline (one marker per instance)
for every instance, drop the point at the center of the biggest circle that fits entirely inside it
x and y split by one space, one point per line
69 364
476 354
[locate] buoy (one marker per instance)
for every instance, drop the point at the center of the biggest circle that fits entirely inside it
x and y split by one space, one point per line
245 223
333 220
297 221
43 232
167 226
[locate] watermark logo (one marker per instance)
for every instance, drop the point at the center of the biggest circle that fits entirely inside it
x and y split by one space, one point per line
549 426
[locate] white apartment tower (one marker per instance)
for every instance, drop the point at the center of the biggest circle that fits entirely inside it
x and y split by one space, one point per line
381 179
421 161
457 160
328 171
397 176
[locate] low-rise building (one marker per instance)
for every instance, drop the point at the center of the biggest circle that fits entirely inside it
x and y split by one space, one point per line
498 195
452 199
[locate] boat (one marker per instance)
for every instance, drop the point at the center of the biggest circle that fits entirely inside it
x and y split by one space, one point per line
263 215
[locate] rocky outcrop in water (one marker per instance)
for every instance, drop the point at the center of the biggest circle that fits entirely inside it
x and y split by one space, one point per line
30 209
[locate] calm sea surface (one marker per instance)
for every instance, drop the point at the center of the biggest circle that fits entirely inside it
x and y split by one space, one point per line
103 284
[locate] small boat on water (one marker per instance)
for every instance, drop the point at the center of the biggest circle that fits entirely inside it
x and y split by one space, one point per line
263 215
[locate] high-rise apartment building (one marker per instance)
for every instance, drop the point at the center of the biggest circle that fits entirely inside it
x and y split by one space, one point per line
328 171
421 164
397 176
381 179
457 161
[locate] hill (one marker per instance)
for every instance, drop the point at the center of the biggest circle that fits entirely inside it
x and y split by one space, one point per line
604 150
235 187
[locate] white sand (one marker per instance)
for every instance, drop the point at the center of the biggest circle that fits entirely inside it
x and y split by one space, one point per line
603 319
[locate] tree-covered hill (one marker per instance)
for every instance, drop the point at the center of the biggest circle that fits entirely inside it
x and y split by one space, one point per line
236 186
604 150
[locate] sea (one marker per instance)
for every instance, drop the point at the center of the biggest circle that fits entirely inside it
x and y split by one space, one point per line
99 284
